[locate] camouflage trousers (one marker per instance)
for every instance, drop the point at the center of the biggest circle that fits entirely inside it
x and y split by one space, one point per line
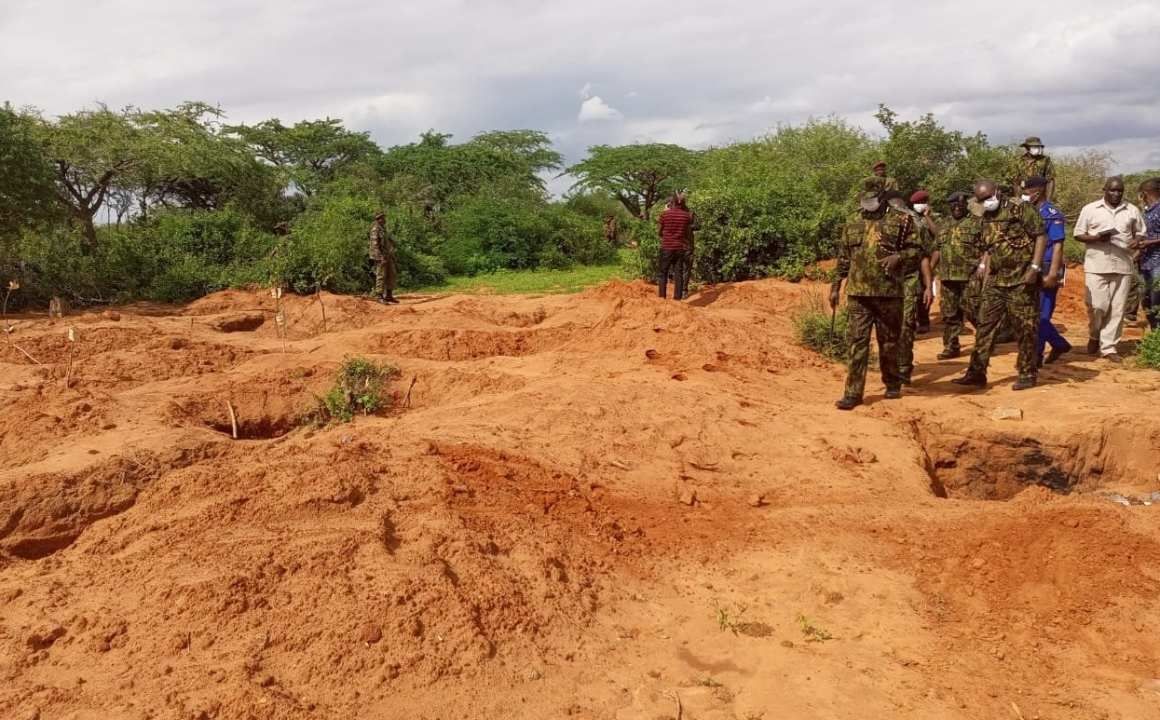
953 308
911 305
883 315
1018 305
973 309
1135 296
384 276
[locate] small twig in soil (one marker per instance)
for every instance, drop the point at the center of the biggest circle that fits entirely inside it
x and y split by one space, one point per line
233 420
24 351
1018 713
321 305
407 401
680 707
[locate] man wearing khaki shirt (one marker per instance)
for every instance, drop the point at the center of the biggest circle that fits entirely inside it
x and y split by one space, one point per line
1108 228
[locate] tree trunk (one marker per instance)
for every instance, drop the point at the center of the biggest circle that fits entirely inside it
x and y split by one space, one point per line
88 234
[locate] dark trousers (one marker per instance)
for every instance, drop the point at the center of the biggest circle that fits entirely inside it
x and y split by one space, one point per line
1048 333
672 264
883 315
953 306
1151 296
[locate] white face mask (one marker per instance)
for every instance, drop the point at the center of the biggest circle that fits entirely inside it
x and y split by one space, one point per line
991 204
1026 198
920 208
1036 151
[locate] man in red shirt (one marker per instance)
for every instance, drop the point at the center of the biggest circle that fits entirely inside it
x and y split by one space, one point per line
676 231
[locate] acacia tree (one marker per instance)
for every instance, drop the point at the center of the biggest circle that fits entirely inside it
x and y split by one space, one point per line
639 176
310 153
90 150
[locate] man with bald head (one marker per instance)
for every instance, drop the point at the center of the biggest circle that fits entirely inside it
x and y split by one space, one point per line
1110 229
1013 239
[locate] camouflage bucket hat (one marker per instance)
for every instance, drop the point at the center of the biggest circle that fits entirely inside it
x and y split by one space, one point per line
1032 141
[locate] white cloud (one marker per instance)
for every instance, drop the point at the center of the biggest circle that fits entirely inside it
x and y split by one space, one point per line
595 109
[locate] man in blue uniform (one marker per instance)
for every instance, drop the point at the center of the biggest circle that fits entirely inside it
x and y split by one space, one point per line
1035 192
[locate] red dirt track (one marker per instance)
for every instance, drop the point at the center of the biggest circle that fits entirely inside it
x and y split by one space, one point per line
601 506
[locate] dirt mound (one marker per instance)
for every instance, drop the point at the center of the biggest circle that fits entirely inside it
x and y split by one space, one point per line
604 506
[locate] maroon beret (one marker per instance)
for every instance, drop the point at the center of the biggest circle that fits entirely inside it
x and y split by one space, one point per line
920 196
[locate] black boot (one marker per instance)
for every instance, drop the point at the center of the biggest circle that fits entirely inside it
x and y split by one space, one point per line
893 394
1025 382
848 403
390 298
971 379
950 353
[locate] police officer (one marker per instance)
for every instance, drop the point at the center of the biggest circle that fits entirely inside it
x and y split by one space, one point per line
1014 241
1035 193
381 250
916 280
1034 163
959 252
875 246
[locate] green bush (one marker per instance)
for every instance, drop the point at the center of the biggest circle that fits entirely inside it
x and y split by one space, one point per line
1148 354
359 388
812 328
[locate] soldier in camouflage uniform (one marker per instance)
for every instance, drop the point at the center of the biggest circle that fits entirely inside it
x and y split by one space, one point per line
875 246
887 183
381 250
1014 240
959 252
916 286
1033 163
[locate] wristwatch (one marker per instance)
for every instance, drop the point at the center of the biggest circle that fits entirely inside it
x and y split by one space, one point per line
1035 267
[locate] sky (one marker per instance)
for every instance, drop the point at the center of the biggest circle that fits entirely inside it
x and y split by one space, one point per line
1078 73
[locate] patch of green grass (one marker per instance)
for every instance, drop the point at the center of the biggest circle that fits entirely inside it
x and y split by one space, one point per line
533 282
812 632
1148 354
816 327
359 388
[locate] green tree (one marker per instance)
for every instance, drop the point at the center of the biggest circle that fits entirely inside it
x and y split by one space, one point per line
90 151
26 189
639 176
309 153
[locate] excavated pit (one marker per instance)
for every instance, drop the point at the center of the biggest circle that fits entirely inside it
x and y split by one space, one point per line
998 465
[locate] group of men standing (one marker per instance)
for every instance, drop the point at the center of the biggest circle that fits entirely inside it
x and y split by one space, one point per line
999 263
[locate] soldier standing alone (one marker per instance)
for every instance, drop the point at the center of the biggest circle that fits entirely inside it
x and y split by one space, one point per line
1014 240
382 253
874 247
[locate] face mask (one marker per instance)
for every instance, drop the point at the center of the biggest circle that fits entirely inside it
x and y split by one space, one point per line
991 204
1026 198
920 208
1036 151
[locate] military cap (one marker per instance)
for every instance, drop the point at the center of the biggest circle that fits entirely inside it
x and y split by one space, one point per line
1032 141
879 164
920 196
1035 181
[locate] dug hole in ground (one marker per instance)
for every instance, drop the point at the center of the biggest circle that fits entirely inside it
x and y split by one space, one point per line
601 506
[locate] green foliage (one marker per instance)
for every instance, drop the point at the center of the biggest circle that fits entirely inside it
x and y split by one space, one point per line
26 190
1148 354
360 388
639 176
1079 180
924 154
776 205
309 153
816 327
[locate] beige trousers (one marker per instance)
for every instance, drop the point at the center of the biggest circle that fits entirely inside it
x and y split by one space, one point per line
1107 294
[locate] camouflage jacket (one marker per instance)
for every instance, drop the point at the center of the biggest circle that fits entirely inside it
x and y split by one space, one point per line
926 245
381 244
960 246
866 242
883 184
1026 166
1009 235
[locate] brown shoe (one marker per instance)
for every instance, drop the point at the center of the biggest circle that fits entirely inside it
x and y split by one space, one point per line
1114 358
1093 347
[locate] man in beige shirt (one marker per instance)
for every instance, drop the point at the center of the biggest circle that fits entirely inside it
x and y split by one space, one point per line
1108 227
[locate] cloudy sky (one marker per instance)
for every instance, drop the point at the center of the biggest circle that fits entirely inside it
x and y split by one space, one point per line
1080 73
